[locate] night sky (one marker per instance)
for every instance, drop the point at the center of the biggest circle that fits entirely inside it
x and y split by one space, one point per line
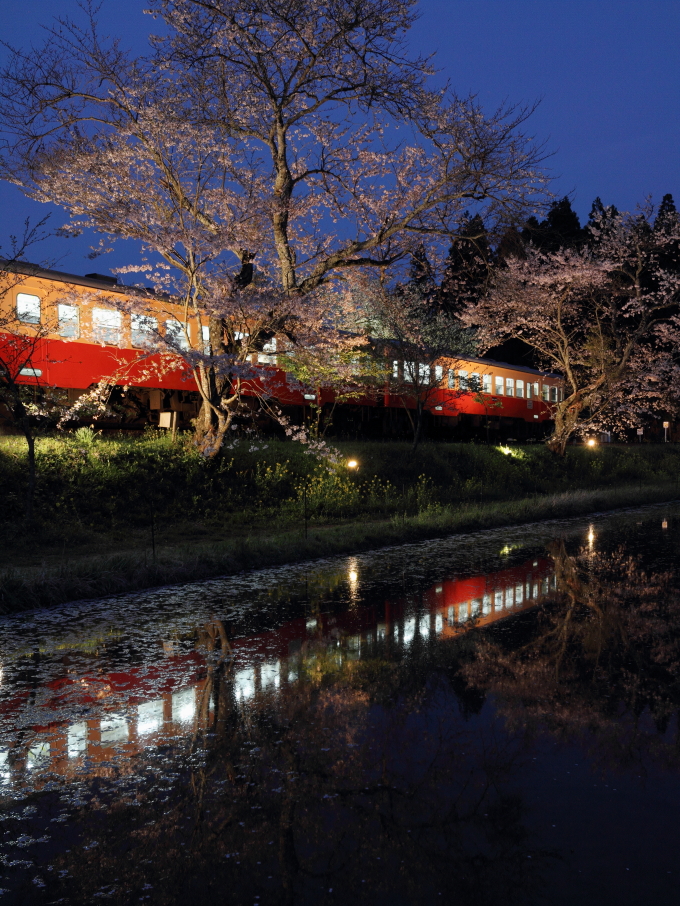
607 73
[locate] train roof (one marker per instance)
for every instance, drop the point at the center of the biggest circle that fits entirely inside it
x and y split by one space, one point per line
93 281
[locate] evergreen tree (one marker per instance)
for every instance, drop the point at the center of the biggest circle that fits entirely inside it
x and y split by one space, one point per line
561 228
467 267
667 244
600 220
421 276
511 245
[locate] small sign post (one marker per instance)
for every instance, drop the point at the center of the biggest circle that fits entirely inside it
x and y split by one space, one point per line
666 426
640 432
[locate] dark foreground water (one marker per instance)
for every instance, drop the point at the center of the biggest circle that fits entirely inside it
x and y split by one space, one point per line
488 719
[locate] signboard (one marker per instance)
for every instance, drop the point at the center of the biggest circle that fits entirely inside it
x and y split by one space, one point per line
666 424
640 430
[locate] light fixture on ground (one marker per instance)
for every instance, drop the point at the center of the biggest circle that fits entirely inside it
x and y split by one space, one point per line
352 464
591 442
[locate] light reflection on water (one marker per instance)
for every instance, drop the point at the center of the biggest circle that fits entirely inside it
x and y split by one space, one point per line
97 690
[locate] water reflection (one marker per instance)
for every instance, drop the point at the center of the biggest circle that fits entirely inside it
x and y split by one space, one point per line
379 743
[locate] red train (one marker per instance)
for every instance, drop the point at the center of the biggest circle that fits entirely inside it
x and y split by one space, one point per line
80 333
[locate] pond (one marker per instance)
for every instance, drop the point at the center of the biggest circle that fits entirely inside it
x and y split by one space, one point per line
484 719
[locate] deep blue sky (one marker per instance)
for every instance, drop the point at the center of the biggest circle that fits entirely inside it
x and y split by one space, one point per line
607 73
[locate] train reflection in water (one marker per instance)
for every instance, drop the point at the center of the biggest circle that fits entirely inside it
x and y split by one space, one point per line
94 724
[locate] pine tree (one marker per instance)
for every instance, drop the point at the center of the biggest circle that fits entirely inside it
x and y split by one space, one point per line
561 228
467 267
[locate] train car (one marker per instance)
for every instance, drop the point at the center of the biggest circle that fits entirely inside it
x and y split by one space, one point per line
80 330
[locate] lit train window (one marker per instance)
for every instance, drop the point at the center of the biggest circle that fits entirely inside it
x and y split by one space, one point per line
77 739
205 336
113 729
475 383
529 392
28 308
142 331
452 379
38 755
268 356
561 394
424 374
499 385
184 705
536 391
553 394
395 369
462 380
175 334
546 393
520 390
5 773
149 717
68 316
438 373
509 386
486 383
106 325
410 371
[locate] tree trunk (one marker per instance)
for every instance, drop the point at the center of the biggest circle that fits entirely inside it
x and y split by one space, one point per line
30 490
211 437
417 426
566 416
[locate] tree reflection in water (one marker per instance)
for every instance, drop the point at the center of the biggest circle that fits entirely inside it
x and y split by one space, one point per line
400 774
600 665
361 782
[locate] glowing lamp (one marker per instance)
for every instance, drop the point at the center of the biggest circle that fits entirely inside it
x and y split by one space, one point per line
352 464
592 442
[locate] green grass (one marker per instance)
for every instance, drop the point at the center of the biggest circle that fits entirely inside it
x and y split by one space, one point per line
99 504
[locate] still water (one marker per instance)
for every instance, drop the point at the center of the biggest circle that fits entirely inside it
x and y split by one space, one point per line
485 719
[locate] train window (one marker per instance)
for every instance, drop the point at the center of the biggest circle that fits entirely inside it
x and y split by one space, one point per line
28 308
546 393
520 390
268 356
509 386
410 371
499 385
475 383
536 391
395 370
438 374
175 334
452 379
529 391
561 394
553 394
68 316
462 380
205 336
106 326
486 383
143 330
424 374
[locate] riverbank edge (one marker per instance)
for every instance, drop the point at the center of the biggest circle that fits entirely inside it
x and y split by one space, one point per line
96 577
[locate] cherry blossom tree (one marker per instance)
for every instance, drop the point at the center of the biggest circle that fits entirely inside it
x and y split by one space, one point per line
604 317
410 337
299 136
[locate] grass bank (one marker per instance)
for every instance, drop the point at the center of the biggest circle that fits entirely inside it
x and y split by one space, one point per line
94 576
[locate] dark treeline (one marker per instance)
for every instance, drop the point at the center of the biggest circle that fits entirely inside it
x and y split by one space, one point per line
473 257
